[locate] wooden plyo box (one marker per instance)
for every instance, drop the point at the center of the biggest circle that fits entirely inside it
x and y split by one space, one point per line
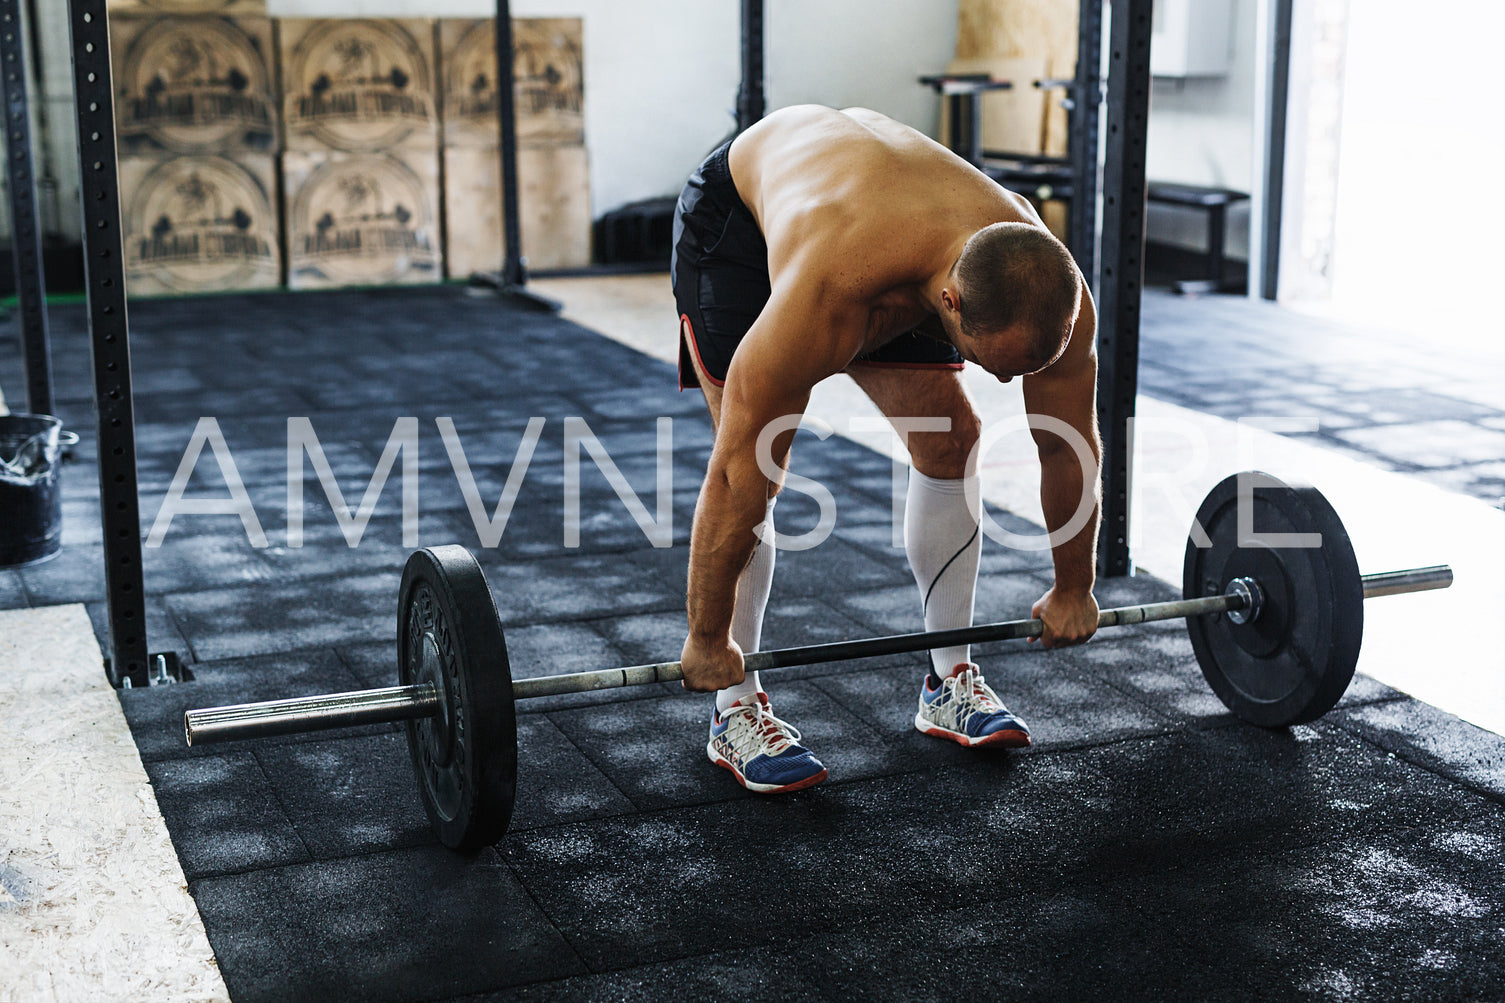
199 224
1013 29
553 201
549 75
362 219
193 84
358 85
237 7
553 172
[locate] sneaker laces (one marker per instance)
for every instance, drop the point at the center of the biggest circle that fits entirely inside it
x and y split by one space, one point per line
966 693
761 732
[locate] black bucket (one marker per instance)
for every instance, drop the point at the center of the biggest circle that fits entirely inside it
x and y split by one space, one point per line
31 500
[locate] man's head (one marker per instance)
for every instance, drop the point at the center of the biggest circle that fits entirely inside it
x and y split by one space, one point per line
1013 295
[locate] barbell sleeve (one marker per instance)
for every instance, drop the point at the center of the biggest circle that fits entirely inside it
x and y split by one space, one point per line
302 714
1394 583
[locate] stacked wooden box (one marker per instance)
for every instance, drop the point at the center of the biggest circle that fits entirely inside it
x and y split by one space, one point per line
196 123
361 169
326 152
552 171
1022 41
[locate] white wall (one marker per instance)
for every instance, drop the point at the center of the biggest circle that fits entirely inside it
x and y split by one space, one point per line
1201 132
1417 236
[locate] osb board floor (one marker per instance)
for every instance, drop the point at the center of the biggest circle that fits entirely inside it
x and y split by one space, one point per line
93 904
1359 855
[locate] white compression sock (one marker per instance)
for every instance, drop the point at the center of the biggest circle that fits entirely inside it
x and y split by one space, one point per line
753 587
942 541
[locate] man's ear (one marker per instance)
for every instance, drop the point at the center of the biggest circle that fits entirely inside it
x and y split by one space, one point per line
951 299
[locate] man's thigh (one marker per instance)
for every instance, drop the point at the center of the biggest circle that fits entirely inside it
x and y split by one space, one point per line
707 385
926 393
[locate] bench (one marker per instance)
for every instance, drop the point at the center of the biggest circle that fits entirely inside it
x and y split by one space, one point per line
1214 202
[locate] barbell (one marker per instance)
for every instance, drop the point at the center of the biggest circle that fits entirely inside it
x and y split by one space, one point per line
1275 624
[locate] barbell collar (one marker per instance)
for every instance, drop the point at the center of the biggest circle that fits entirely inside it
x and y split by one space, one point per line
303 714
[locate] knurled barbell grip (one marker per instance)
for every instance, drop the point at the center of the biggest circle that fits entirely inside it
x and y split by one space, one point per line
837 651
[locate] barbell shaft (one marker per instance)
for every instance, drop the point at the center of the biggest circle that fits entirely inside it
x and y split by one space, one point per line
838 651
400 703
1382 584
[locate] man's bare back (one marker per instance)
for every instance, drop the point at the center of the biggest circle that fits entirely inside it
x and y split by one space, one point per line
865 206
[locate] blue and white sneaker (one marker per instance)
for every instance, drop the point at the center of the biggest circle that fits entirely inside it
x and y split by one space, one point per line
965 709
762 752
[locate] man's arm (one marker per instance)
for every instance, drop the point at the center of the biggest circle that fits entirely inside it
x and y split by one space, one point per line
1067 392
795 343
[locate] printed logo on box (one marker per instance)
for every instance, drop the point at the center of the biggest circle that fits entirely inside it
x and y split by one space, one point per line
199 223
359 85
194 85
363 220
548 78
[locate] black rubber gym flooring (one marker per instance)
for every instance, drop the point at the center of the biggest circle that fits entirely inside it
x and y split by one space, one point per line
1147 846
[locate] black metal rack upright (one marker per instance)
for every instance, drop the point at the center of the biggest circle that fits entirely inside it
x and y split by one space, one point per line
109 340
26 229
1121 277
1083 137
750 98
506 107
512 282
1277 95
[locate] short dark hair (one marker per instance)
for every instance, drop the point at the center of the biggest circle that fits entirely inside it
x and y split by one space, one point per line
1012 273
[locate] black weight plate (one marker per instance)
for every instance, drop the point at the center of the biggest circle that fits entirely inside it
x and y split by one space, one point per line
1294 661
465 757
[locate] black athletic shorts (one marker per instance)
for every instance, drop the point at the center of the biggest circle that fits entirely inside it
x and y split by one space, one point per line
719 269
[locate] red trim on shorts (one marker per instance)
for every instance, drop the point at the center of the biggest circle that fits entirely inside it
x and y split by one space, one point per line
688 329
908 365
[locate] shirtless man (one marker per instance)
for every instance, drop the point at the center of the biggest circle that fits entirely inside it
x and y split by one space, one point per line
820 242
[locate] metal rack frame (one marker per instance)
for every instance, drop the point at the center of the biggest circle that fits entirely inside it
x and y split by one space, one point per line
109 341
26 229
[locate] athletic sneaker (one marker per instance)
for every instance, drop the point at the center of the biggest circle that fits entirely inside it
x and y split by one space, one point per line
762 752
965 709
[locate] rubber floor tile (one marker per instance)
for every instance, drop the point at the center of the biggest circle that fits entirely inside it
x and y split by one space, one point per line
275 616
223 814
1432 739
1411 915
751 871
411 924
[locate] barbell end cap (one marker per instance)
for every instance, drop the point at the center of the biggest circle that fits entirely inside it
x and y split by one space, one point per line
1251 599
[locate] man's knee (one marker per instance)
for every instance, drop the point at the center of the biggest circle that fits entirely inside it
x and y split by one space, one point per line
947 455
